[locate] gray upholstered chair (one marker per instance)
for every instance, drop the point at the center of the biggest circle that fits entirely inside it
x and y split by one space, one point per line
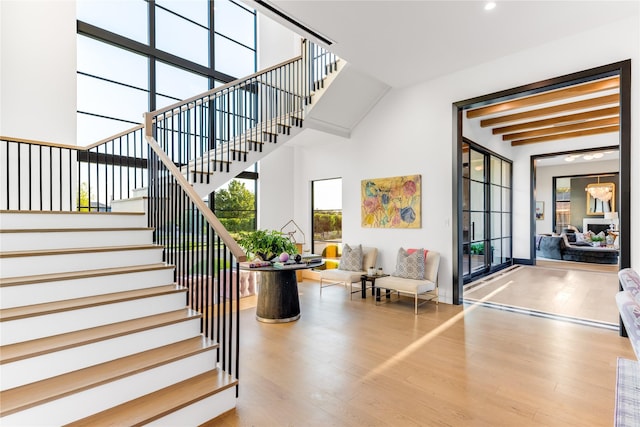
337 276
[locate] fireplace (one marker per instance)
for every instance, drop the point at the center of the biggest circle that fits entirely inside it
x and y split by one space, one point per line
597 228
597 224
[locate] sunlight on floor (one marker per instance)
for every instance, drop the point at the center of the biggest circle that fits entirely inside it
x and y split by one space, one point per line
414 346
570 294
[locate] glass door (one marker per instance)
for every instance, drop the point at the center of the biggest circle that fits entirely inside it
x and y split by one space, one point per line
486 212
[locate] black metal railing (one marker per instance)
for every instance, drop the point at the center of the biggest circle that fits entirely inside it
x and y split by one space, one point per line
205 134
204 263
55 177
177 145
41 176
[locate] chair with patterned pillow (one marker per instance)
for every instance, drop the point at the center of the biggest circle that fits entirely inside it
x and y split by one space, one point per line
416 274
353 264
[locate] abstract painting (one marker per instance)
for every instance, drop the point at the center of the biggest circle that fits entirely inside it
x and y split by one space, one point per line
391 202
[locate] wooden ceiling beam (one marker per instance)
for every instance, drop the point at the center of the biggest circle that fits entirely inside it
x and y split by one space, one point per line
567 135
551 130
551 96
547 111
588 115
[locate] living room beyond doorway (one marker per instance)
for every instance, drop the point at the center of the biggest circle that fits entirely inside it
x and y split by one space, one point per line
608 86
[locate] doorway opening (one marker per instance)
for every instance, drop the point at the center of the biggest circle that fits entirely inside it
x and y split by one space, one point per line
524 231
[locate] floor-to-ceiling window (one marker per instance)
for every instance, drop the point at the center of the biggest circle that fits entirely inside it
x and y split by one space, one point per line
486 211
139 55
136 56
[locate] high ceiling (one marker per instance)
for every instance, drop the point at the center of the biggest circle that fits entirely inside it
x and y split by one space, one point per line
402 43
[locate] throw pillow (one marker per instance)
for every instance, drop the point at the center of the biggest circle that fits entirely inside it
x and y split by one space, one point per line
351 258
580 237
571 237
410 265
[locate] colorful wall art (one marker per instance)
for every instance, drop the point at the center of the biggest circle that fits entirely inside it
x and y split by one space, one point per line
391 202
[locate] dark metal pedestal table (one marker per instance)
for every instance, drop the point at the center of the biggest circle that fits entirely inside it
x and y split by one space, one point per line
278 297
278 300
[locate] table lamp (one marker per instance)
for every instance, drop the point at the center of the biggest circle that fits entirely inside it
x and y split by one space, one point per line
613 217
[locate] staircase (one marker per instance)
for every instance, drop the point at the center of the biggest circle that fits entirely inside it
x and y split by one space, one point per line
94 330
128 319
214 136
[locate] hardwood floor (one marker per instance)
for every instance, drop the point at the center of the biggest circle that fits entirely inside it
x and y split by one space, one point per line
352 363
573 265
579 294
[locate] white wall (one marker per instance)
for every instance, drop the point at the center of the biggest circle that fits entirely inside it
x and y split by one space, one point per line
38 70
276 183
410 132
276 43
544 185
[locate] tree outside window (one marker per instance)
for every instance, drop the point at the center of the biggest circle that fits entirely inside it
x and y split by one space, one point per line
235 207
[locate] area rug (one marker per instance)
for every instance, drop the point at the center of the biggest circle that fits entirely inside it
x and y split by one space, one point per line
586 297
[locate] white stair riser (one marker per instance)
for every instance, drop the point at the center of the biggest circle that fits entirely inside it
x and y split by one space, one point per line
201 411
69 240
31 328
38 293
47 264
27 220
105 396
140 192
49 365
138 204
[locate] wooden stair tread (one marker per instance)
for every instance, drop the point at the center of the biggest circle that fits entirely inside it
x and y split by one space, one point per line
29 395
15 313
23 350
73 230
249 136
155 405
203 172
52 277
71 251
131 198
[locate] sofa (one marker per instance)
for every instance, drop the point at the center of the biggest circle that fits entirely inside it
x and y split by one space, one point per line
558 247
627 401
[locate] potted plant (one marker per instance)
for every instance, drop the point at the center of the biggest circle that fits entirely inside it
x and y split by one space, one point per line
266 244
597 240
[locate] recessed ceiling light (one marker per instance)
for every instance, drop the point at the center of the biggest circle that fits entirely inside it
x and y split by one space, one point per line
588 157
490 5
569 159
598 155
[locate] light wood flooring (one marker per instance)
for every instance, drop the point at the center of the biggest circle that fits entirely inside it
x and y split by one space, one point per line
556 289
353 363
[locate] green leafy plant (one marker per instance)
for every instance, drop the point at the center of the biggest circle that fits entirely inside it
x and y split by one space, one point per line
597 239
477 248
266 243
